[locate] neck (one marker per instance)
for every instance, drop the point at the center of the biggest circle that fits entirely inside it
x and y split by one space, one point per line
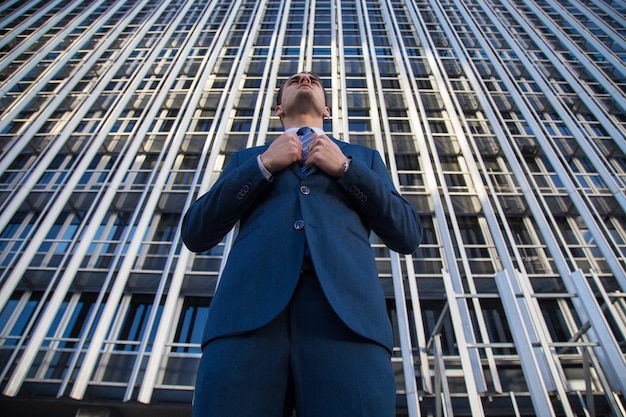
305 120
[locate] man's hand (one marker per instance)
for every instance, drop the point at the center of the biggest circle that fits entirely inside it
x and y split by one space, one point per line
282 152
326 155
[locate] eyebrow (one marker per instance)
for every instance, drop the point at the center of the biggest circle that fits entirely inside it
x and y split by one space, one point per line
299 76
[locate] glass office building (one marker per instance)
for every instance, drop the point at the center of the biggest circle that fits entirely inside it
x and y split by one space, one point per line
502 121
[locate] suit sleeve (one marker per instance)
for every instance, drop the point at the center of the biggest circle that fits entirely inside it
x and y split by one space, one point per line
211 217
389 215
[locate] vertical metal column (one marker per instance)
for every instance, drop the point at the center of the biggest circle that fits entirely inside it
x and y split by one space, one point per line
608 350
406 348
522 329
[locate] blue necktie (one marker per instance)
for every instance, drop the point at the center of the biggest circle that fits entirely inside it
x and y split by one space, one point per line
305 134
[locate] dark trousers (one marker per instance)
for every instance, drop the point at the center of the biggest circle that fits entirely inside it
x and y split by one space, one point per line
306 359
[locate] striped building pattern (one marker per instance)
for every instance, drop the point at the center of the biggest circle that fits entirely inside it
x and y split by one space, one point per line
502 121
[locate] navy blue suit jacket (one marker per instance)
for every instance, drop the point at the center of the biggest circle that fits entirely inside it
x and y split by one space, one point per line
337 216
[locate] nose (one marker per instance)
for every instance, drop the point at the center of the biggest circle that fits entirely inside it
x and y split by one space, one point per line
305 79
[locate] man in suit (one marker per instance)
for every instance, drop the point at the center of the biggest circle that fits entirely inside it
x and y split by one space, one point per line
298 320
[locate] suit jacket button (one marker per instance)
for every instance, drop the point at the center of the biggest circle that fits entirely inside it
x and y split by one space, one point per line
299 225
305 190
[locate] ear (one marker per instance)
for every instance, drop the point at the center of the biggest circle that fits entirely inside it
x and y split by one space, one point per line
278 111
326 113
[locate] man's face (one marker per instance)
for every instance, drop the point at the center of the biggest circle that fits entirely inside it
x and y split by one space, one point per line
303 93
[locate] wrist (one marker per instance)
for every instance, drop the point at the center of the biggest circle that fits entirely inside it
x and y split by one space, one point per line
346 164
266 164
266 173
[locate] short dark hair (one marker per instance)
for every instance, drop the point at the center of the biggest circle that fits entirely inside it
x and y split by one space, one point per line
279 94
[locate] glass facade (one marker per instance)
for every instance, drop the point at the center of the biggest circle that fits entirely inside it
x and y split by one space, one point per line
502 121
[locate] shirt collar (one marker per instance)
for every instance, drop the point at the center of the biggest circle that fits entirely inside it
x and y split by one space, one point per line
315 129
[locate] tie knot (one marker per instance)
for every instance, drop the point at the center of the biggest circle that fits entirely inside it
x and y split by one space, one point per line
304 130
